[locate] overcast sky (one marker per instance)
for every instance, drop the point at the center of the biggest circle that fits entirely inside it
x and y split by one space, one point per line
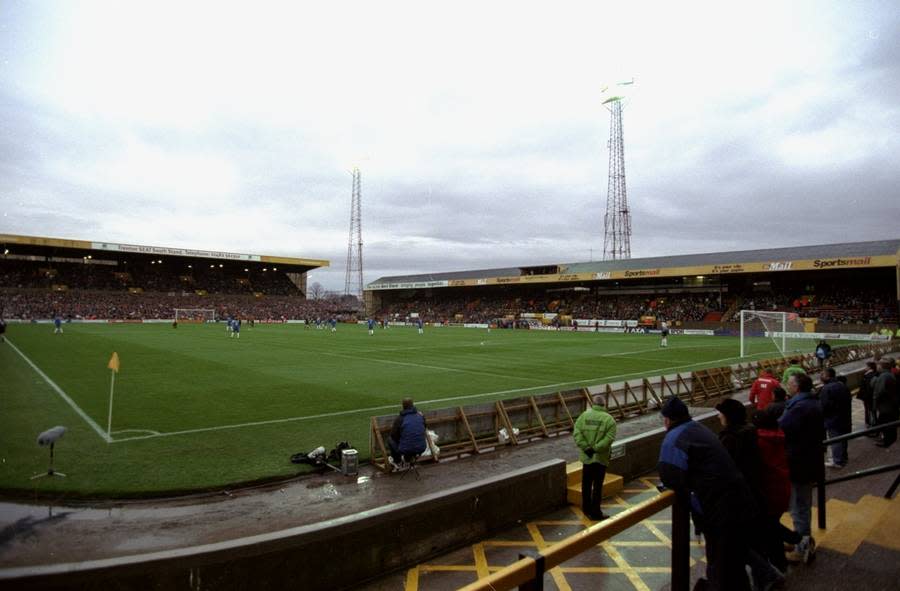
478 126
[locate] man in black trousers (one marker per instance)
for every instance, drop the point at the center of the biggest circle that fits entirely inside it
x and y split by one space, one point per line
886 401
836 408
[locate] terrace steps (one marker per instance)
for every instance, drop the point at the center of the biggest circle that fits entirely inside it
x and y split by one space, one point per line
872 519
612 484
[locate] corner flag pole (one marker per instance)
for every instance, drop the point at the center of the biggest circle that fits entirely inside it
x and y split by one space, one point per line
113 365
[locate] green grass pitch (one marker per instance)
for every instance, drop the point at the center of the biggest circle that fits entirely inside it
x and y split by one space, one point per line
195 409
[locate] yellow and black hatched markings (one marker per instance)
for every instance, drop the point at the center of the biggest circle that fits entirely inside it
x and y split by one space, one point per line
638 558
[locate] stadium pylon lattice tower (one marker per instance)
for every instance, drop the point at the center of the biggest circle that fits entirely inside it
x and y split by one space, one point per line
353 284
617 222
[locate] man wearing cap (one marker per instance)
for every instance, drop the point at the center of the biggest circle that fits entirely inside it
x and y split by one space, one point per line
693 461
595 431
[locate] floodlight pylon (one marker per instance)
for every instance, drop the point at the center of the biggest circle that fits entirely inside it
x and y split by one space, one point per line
353 284
617 221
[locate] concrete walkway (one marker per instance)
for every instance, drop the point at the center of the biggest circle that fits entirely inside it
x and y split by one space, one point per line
47 533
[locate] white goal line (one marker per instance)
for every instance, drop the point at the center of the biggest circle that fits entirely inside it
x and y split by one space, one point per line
87 419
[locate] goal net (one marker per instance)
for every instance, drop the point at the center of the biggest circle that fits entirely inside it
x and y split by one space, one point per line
198 315
778 333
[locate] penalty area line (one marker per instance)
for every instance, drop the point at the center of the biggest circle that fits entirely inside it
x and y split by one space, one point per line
62 394
422 403
437 367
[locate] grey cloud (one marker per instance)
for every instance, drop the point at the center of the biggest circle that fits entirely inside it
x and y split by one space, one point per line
706 178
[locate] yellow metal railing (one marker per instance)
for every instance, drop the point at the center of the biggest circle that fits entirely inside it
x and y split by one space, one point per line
529 570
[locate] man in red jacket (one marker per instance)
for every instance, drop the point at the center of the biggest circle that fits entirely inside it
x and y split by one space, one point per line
762 388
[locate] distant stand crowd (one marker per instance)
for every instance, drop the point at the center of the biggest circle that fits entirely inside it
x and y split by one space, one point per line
861 308
32 290
152 289
87 305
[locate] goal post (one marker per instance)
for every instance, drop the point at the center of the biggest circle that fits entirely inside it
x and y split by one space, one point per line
199 315
761 331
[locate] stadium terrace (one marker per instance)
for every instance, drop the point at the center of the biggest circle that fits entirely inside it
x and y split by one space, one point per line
849 286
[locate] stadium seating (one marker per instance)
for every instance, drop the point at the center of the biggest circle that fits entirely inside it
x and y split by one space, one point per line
144 289
166 276
858 306
854 309
681 307
88 304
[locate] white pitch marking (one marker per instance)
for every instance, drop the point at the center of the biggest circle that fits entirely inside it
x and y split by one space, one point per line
136 431
423 403
62 394
437 367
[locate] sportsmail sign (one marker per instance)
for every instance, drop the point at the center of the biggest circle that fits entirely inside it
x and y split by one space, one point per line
849 262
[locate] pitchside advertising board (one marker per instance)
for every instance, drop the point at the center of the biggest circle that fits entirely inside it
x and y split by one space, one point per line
829 336
721 269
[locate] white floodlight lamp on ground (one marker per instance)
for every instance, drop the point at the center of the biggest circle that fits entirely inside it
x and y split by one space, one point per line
50 437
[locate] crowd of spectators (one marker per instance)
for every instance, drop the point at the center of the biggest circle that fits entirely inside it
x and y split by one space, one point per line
839 307
145 289
672 307
156 276
95 288
836 306
35 304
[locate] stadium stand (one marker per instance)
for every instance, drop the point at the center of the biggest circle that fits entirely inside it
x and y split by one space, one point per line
861 307
42 278
28 304
143 275
849 287
681 307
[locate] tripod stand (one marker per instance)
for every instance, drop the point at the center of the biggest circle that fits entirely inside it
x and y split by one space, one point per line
50 470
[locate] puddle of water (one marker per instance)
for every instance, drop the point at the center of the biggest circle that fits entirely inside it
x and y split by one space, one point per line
147 542
11 512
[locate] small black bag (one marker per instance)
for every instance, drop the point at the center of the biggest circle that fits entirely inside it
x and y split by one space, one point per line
335 454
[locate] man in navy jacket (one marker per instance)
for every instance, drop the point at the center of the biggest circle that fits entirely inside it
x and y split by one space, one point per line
804 430
886 400
407 433
693 461
836 408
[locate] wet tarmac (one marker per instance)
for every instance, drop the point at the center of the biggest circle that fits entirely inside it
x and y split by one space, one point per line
49 533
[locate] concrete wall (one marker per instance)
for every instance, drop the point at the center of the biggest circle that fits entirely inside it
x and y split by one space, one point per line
328 555
641 452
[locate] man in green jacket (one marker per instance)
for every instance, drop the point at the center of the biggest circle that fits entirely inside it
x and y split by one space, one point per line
793 368
595 431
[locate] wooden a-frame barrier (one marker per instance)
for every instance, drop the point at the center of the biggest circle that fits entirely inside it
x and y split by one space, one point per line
482 428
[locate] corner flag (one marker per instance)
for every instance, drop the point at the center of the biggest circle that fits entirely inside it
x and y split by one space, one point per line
114 366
